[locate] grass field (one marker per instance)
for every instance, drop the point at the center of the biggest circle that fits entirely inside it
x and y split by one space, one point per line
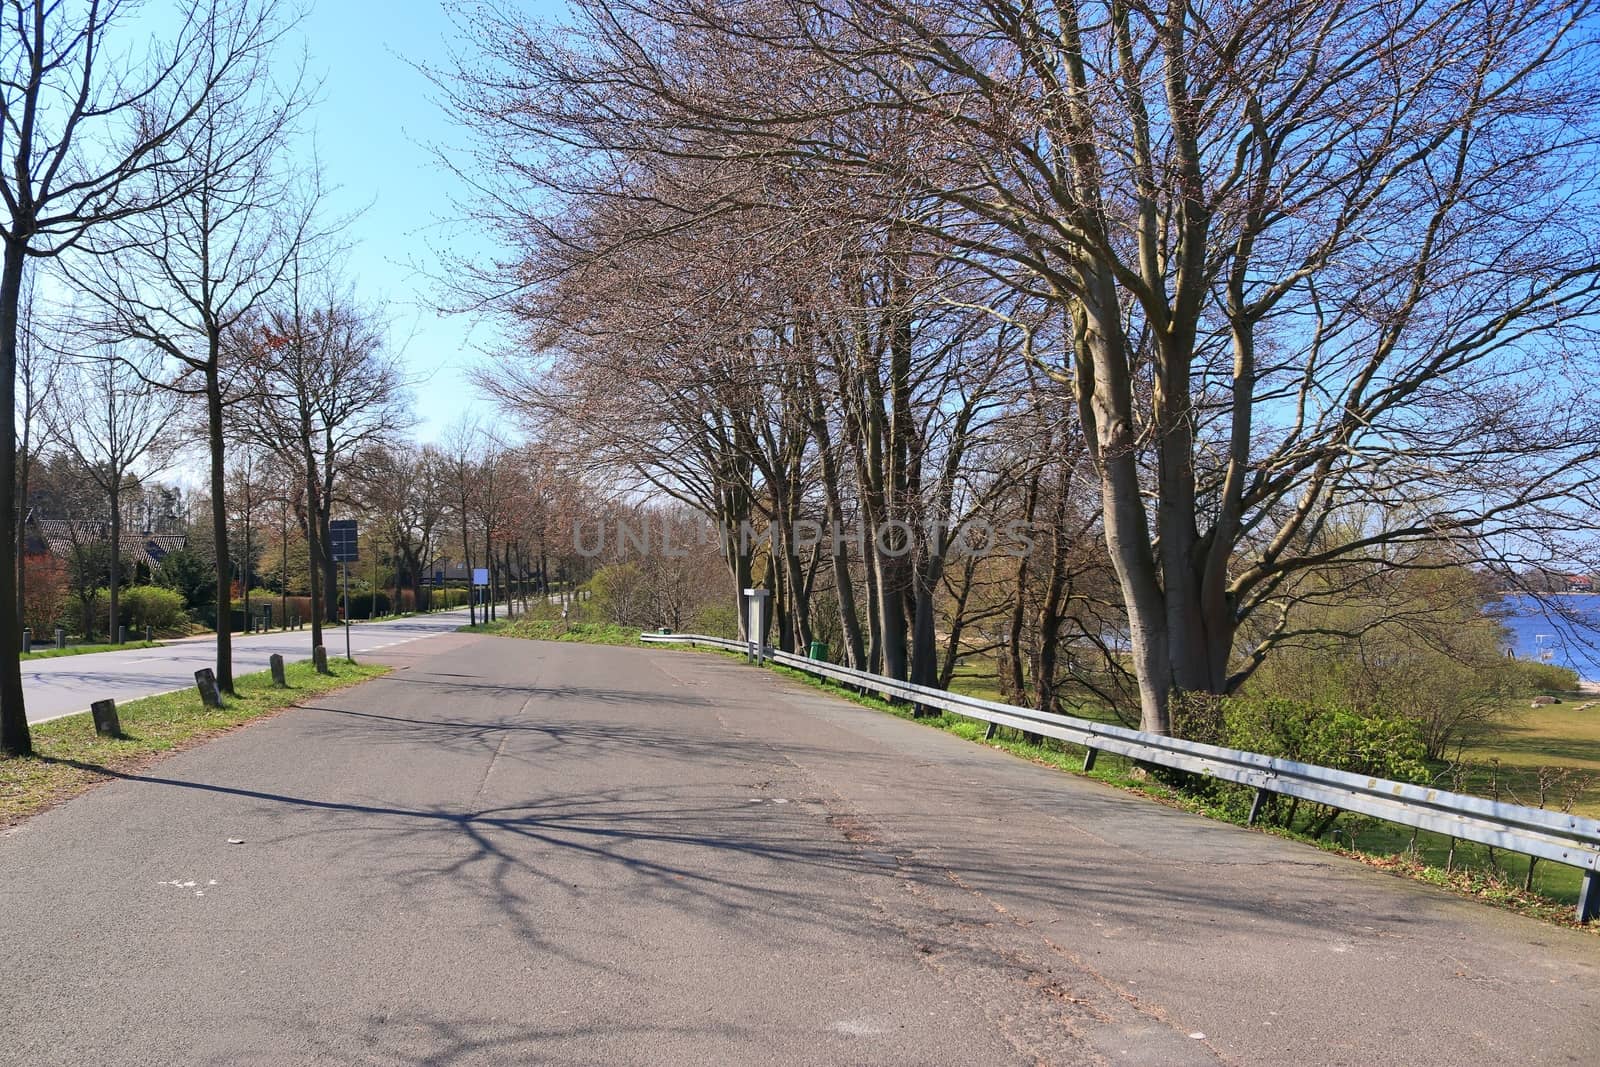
1562 735
591 633
85 650
70 757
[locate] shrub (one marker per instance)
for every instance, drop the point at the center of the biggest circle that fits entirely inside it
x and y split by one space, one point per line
46 594
362 605
191 575
619 594
722 620
282 607
88 619
1527 677
151 605
1380 743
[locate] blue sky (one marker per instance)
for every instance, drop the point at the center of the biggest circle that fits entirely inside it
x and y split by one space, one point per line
374 121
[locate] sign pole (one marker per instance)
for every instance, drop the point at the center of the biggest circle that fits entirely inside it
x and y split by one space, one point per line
343 536
347 655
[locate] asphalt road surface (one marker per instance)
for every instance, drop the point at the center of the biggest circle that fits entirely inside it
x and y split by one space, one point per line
67 685
512 852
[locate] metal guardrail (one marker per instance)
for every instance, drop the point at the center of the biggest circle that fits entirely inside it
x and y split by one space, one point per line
1551 835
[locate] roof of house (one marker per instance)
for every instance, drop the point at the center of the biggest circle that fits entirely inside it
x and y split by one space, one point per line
61 536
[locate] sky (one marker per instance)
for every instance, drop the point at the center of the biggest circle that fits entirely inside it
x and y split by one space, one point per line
373 127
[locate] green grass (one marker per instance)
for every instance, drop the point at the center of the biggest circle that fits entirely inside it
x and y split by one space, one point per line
591 633
70 757
85 650
1560 735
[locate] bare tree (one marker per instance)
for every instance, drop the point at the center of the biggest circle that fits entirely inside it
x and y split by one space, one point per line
402 491
184 276
94 134
324 388
36 371
1294 260
114 424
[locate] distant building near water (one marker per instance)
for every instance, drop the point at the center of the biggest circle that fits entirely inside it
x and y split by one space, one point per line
1580 583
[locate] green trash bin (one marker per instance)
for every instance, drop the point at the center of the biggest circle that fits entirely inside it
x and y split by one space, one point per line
819 650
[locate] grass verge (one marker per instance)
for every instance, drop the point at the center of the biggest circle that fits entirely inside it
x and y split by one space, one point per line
589 633
69 757
1462 867
86 650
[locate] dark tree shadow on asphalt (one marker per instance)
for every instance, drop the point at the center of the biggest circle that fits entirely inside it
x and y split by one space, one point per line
428 1037
728 860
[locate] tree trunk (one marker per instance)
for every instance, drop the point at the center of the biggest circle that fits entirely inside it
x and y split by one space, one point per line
1105 404
466 553
219 517
510 581
24 469
315 574
874 615
924 642
244 564
952 648
488 562
112 594
742 568
330 569
15 738
892 614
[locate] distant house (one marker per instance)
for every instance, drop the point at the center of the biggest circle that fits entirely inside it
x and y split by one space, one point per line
59 537
1580 583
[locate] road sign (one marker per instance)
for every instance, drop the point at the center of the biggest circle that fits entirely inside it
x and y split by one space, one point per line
342 541
480 576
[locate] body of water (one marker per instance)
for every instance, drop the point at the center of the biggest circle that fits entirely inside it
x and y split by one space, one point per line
1559 628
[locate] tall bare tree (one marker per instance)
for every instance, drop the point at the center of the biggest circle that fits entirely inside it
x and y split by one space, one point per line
324 388
115 425
87 124
1293 260
36 370
185 275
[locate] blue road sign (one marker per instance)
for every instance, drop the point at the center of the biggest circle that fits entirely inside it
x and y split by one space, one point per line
342 541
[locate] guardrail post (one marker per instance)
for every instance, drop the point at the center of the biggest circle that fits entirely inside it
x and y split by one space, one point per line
1589 896
27 640
1255 806
106 723
1089 755
122 633
988 735
61 638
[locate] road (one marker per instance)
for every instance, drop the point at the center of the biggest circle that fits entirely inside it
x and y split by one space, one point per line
66 685
514 852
